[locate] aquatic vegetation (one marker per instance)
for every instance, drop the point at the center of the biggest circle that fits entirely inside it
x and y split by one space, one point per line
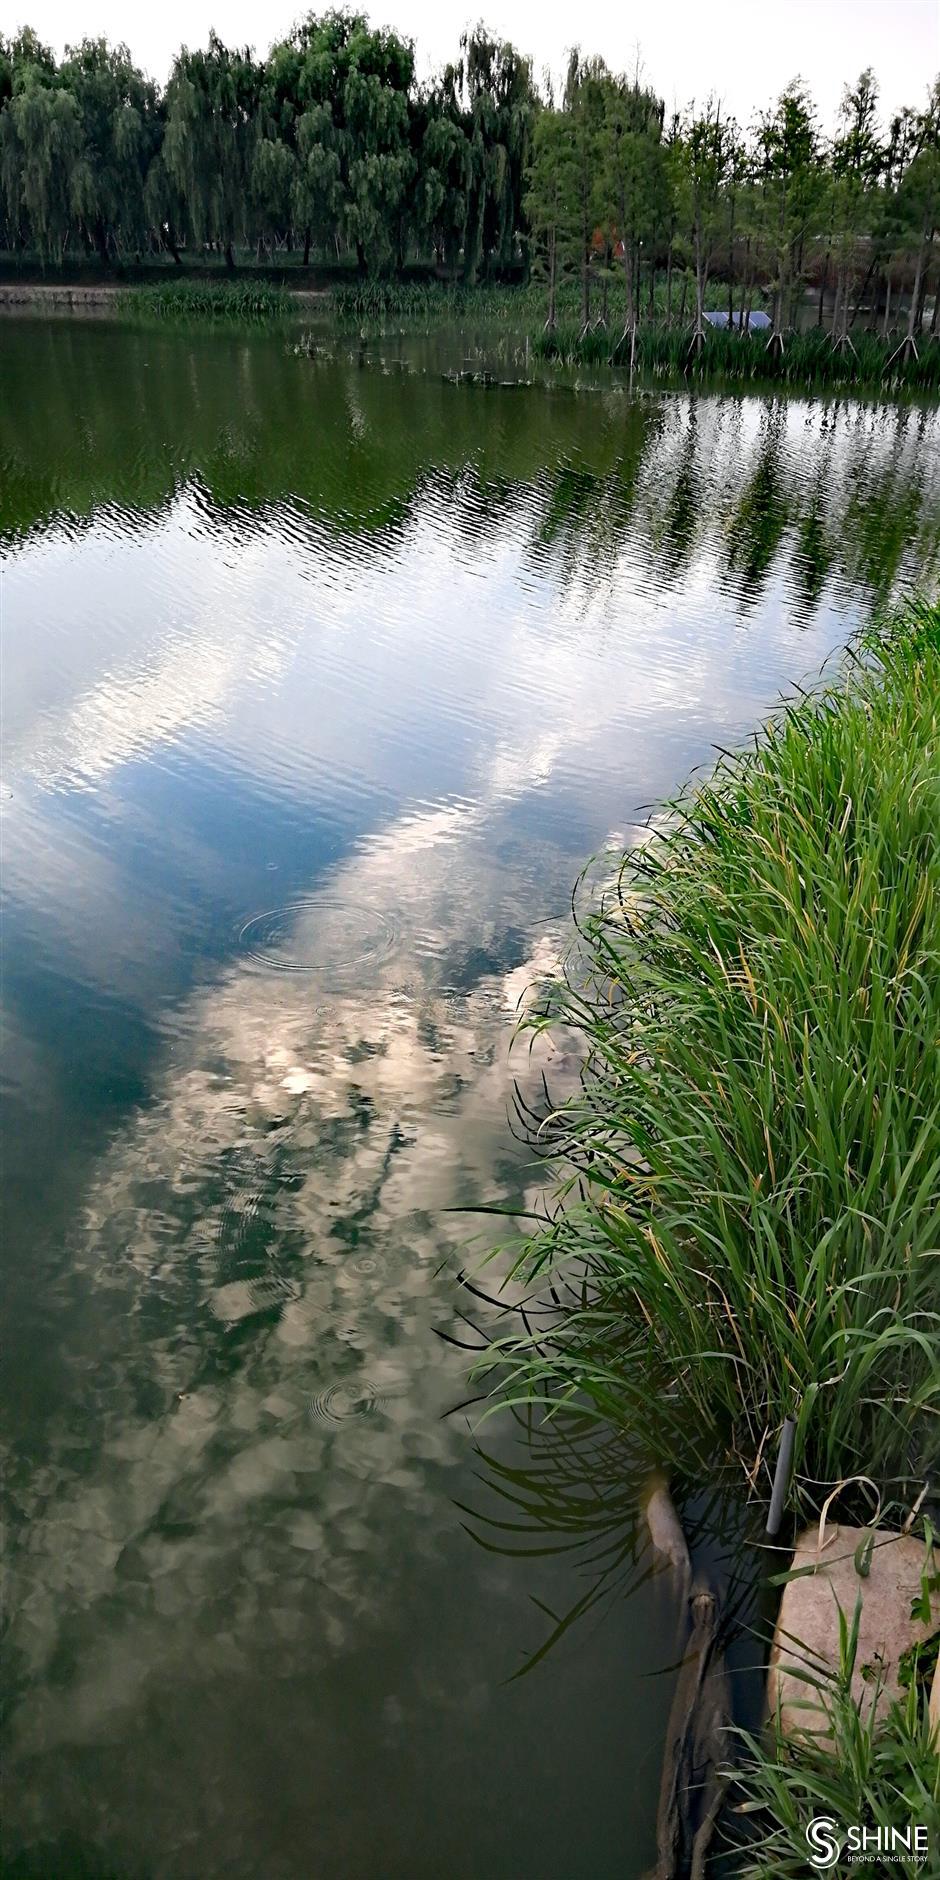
226 299
520 307
376 302
483 176
807 359
662 347
876 1772
745 1221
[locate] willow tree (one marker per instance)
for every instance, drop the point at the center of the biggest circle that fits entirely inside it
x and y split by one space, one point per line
42 165
211 130
353 136
318 193
274 158
120 133
165 203
272 184
381 165
501 107
294 174
24 59
443 170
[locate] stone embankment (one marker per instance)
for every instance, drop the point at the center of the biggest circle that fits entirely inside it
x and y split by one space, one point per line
41 294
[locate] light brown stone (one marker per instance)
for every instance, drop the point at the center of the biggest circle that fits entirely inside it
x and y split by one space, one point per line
807 1630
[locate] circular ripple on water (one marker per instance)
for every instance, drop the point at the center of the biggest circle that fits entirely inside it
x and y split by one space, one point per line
309 936
338 1402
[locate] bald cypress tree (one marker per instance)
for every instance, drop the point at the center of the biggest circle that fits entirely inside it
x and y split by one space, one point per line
792 188
550 203
855 167
705 154
918 213
587 89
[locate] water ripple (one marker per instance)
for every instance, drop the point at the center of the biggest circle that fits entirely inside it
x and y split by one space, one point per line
310 935
338 1402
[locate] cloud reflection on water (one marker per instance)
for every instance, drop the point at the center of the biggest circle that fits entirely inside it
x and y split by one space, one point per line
361 661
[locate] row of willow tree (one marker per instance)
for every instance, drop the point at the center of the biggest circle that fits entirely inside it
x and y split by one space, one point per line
330 145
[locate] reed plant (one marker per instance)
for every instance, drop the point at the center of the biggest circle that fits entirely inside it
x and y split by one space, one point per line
745 1221
223 299
377 303
806 360
520 306
874 1770
662 346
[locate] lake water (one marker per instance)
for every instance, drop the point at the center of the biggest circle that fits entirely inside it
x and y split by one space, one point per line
322 679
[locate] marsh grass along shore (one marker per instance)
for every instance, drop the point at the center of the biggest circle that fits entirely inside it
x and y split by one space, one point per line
660 351
747 1209
745 1213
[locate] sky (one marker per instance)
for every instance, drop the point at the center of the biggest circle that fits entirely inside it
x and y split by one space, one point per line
687 48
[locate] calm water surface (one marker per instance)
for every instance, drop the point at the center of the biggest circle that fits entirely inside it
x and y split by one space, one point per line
321 681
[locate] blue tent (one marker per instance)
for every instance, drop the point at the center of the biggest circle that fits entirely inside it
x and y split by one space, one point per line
758 322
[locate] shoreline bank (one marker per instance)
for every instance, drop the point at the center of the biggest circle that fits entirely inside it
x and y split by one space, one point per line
113 293
501 325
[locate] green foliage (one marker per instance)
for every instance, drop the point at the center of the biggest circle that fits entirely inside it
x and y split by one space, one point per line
877 1770
376 303
635 178
704 157
500 104
548 204
228 299
355 161
792 182
331 145
746 1223
806 359
211 103
42 161
117 110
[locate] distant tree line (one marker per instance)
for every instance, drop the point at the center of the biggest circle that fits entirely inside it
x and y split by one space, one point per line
331 147
328 144
614 191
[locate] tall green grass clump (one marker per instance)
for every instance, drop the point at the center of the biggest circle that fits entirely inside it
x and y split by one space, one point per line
874 1770
747 1216
376 303
807 360
519 305
226 299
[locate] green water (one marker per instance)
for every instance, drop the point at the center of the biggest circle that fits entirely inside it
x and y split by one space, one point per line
321 679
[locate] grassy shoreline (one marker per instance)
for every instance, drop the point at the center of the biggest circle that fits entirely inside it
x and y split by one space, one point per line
747 1205
807 361
744 1222
662 345
662 350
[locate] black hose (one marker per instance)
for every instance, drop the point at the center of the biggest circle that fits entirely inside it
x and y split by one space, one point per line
782 1476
